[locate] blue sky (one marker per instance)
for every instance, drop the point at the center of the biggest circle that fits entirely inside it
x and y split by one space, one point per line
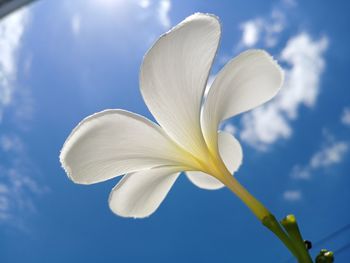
62 61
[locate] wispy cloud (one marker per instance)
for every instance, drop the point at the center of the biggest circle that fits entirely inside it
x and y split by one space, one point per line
11 31
250 32
76 24
10 143
264 126
292 195
262 29
17 184
163 13
303 61
18 99
345 118
18 187
230 128
331 154
305 58
144 3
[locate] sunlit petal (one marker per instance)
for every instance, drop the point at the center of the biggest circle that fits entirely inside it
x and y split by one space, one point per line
173 78
139 194
204 181
230 152
115 142
246 82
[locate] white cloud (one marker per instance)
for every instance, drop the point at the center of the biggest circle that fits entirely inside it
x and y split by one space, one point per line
331 154
292 195
11 31
301 172
145 3
17 184
274 27
267 124
157 11
23 108
10 143
345 118
265 29
264 126
163 13
76 24
230 128
305 56
250 32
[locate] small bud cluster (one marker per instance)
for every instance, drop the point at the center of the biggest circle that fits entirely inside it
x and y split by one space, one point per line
325 256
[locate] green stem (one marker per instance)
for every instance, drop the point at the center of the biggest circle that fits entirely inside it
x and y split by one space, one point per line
290 225
257 208
267 218
273 225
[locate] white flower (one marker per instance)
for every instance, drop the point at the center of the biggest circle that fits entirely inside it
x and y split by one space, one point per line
173 78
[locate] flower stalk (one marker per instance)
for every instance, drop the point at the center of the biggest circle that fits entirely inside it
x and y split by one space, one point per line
290 225
287 231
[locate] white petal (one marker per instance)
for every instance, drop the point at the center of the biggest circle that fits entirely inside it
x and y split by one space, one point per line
115 142
204 181
230 151
231 154
139 194
174 75
245 82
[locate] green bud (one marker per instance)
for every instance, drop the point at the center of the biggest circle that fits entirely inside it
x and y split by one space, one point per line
325 256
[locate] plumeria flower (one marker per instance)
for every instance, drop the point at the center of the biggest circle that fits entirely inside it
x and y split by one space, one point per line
173 82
